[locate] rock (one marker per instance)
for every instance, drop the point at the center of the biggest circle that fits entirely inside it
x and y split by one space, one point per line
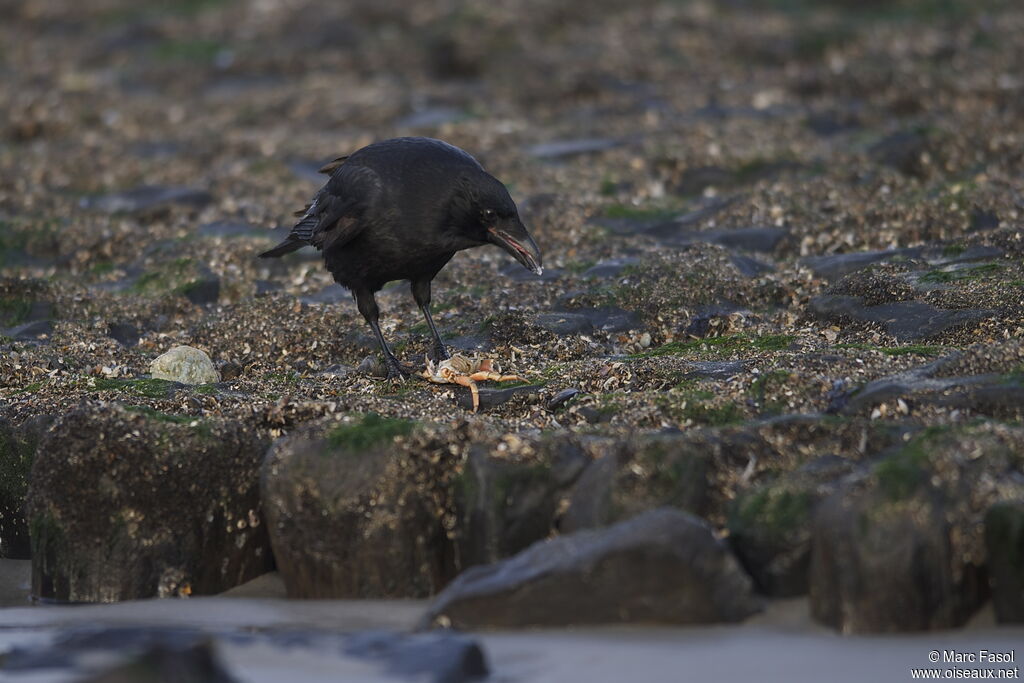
983 220
491 397
1004 542
716 369
185 364
352 516
606 318
124 334
17 452
770 525
162 506
331 294
504 505
437 657
639 475
835 266
203 291
24 318
562 397
229 370
564 324
904 320
33 331
146 198
905 151
663 566
749 267
562 149
693 181
761 239
196 663
902 548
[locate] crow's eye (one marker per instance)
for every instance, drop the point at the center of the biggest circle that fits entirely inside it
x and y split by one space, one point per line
488 214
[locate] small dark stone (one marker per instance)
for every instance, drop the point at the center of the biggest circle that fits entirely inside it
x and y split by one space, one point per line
903 151
716 369
125 334
749 267
564 324
229 370
662 566
562 397
203 292
146 198
983 220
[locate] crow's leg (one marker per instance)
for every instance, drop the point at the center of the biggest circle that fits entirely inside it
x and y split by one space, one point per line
367 305
421 293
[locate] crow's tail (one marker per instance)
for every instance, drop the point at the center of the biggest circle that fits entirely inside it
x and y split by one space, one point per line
286 247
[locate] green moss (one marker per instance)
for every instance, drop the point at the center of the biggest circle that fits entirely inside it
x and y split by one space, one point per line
13 311
205 389
902 473
953 250
172 276
720 346
102 268
371 431
30 388
149 388
773 509
715 416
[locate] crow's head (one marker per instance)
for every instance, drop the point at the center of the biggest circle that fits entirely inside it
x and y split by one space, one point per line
484 213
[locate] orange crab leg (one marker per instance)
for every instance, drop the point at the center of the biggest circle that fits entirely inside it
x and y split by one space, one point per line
467 381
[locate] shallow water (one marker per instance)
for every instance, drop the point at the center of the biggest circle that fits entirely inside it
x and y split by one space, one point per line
781 644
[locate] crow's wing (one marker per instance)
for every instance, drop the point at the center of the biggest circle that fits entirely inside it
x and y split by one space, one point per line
336 214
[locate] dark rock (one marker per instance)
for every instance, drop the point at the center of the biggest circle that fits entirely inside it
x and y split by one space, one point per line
1004 542
147 198
562 149
564 324
202 292
901 548
749 267
770 525
265 287
664 566
516 273
828 124
17 452
124 334
693 181
491 397
609 268
632 226
904 151
716 369
904 320
331 294
983 220
562 397
505 505
197 663
835 266
437 656
352 516
608 318
160 507
229 370
975 252
30 331
637 476
470 342
763 239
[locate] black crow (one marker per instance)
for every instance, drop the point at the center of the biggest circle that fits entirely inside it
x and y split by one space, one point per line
399 210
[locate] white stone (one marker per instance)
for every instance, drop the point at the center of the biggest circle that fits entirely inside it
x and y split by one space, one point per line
185 364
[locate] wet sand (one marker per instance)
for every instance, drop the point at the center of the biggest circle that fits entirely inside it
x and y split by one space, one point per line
781 644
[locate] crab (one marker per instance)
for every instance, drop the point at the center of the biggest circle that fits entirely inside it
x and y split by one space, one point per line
467 372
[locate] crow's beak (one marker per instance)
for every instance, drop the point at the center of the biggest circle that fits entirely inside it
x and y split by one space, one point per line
512 237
